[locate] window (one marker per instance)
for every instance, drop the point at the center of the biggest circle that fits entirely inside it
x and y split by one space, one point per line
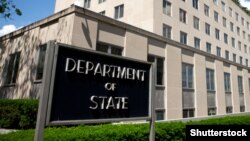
239 45
242 21
224 22
241 94
167 31
187 76
159 114
223 6
233 42
188 113
227 55
195 4
248 27
242 108
217 34
230 12
183 37
249 84
211 92
167 7
159 68
101 1
238 31
41 60
207 28
211 109
109 49
228 96
234 57
211 104
237 17
216 16
12 68
227 82
197 42
87 3
229 109
225 38
196 23
218 51
245 48
215 2
232 26
119 10
188 92
210 79
244 34
241 60
182 15
247 62
206 10
240 85
208 47
102 13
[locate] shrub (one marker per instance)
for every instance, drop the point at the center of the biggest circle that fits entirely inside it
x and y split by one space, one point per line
18 114
22 114
122 132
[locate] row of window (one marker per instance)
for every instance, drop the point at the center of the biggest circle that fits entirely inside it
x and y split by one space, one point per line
188 92
187 79
216 15
88 2
12 69
167 31
111 49
196 24
119 10
167 9
234 56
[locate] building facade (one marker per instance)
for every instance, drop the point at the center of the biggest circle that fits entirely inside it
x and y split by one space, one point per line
218 27
202 66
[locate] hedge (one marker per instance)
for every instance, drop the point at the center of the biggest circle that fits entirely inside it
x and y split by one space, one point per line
18 114
122 132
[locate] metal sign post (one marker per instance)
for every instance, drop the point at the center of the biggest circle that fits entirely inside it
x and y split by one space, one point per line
152 98
43 99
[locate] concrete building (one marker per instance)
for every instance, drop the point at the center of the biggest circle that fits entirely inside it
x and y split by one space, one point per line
201 49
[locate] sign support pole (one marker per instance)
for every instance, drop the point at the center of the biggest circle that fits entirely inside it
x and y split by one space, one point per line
152 98
41 115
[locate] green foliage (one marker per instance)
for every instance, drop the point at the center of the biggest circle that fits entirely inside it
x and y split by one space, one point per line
237 2
18 114
122 132
7 8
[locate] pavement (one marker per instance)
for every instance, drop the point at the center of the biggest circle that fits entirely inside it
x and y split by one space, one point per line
6 131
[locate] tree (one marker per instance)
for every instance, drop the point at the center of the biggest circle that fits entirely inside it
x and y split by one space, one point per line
8 8
237 2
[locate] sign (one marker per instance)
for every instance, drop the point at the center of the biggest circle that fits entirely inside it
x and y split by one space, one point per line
91 87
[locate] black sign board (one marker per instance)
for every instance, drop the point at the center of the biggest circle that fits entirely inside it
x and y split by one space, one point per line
90 86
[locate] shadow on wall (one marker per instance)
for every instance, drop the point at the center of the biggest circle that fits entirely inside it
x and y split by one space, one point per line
86 32
28 45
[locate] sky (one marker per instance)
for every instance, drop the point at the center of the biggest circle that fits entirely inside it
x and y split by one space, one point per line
34 10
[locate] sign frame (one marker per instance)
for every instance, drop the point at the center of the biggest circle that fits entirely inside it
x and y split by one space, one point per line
46 95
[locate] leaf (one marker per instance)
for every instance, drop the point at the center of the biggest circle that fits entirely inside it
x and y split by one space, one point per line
2 9
18 12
